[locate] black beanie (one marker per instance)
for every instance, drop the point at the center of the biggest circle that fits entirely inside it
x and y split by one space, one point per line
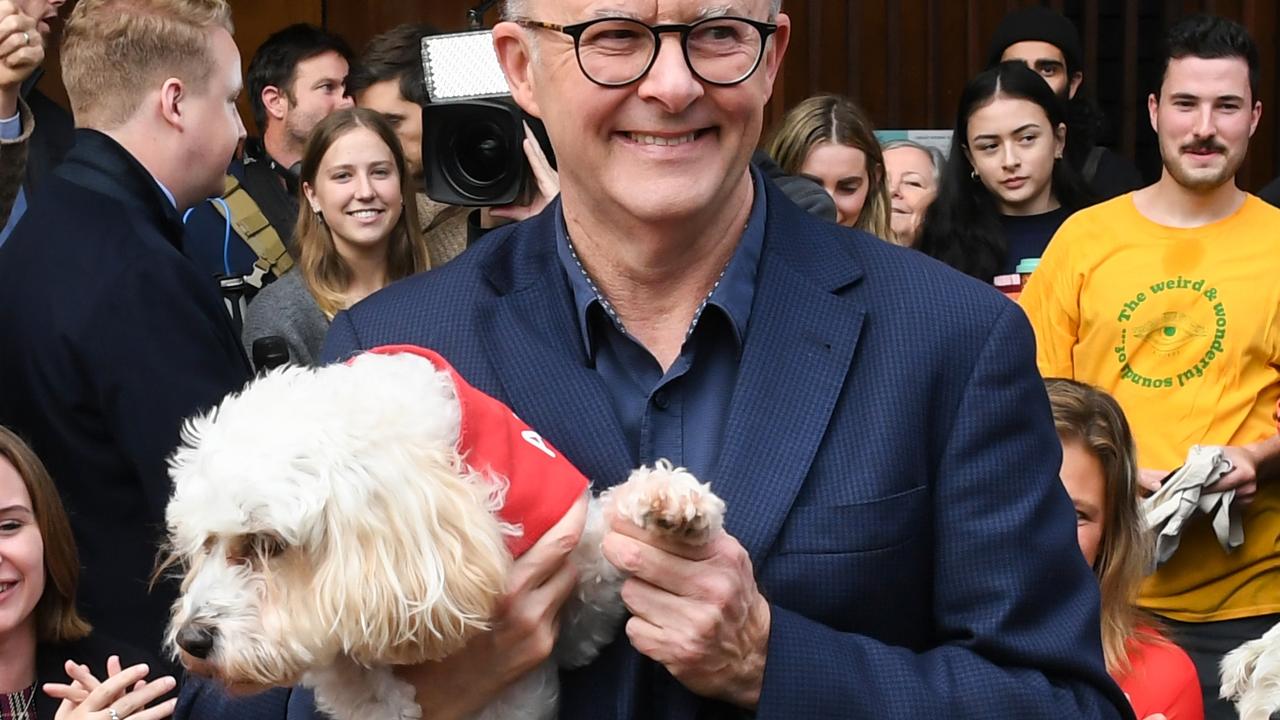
1042 24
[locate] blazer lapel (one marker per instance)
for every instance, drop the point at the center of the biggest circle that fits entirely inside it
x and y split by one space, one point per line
536 346
800 344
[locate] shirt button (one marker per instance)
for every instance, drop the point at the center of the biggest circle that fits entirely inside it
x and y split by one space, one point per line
661 399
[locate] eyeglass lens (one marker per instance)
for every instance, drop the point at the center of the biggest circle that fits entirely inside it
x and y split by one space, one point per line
719 50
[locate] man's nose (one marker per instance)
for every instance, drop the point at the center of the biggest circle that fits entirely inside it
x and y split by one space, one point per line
344 102
1204 126
670 80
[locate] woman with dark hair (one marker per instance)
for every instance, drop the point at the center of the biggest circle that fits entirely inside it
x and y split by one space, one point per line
1006 188
828 139
42 637
355 235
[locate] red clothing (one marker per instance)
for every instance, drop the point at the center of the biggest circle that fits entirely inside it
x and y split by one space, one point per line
1161 679
542 483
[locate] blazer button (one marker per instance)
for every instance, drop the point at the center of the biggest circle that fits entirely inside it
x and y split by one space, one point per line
661 399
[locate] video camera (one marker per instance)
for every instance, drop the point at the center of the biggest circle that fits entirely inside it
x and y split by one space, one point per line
472 130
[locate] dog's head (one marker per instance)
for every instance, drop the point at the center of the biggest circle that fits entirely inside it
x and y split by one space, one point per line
327 512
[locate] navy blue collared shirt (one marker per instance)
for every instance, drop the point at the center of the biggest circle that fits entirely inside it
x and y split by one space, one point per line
679 415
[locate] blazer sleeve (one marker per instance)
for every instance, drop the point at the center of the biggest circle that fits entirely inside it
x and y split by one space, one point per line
160 355
342 341
1015 606
13 161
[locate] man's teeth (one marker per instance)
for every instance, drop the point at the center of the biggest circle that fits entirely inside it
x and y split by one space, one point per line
665 141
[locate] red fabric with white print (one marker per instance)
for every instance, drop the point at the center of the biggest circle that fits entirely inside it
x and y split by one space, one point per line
542 483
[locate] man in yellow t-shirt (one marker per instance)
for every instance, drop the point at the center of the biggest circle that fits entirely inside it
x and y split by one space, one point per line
1168 298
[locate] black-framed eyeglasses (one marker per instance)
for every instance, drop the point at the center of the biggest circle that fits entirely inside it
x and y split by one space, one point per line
616 51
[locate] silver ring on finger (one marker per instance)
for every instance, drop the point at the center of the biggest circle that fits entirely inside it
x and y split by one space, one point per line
26 40
112 712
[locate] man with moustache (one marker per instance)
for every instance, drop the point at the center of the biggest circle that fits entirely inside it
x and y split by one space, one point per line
1049 44
1167 299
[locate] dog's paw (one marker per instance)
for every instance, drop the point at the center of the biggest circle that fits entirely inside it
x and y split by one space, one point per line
670 500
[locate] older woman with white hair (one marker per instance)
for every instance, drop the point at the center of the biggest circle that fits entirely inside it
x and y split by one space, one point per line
912 172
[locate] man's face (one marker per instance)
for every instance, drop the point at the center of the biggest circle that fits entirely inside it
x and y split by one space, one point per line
214 128
1049 62
319 88
404 115
1204 118
44 11
662 148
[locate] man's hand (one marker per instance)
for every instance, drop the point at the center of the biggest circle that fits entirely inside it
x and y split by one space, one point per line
1243 477
21 52
544 175
696 610
524 631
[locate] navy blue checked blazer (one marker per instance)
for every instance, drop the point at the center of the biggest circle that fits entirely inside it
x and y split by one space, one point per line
889 462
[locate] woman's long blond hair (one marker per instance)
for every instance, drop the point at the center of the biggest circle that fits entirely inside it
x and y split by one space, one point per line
1086 415
835 119
324 271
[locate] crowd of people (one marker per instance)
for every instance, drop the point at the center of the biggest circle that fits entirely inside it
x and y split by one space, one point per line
685 284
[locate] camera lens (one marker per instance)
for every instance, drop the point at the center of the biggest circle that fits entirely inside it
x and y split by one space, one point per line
483 153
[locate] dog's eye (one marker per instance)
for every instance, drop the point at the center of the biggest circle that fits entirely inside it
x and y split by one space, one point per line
268 545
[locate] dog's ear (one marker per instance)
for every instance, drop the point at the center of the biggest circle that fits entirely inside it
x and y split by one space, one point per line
413 565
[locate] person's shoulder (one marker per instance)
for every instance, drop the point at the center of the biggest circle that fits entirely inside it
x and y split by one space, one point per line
1259 209
475 274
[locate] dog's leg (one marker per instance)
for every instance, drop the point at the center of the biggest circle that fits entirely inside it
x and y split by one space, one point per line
533 697
1251 677
663 498
347 691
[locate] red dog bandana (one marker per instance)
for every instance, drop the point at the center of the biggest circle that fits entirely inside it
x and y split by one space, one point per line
542 483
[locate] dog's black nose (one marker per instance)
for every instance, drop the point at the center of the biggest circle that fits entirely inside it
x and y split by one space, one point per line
197 640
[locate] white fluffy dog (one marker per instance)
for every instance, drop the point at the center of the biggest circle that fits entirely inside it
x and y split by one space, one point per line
332 523
1251 677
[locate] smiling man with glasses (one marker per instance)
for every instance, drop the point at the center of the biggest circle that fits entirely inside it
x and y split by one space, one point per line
897 541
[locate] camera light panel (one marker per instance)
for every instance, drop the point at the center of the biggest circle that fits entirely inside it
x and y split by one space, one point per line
462 65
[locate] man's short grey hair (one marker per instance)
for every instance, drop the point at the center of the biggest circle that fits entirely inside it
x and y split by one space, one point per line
519 9
936 158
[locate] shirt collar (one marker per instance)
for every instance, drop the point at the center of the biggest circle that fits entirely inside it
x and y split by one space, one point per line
732 294
172 201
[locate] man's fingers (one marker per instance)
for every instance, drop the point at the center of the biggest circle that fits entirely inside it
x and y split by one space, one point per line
653 565
548 554
1150 480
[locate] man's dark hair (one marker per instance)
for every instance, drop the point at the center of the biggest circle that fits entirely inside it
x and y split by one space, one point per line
275 62
1209 37
394 55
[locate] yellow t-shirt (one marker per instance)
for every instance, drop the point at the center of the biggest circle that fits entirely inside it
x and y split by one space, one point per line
1182 326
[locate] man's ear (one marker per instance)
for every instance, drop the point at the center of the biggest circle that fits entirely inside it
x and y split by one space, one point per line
275 101
776 50
515 52
1153 108
172 93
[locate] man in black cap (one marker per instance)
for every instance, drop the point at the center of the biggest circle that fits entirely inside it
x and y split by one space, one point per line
1049 44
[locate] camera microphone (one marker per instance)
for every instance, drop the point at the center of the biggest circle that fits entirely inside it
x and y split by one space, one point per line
270 352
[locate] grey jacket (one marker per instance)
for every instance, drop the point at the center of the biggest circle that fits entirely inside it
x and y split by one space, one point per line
287 309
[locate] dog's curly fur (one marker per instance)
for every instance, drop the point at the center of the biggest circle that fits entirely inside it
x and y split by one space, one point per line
1251 677
327 529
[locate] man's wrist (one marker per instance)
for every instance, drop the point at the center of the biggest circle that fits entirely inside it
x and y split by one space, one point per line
9 101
